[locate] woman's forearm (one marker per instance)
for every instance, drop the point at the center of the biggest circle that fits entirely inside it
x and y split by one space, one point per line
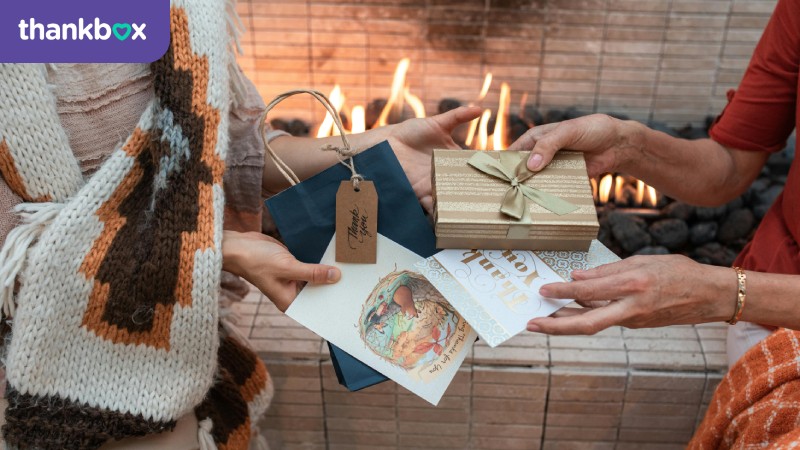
701 172
306 159
772 300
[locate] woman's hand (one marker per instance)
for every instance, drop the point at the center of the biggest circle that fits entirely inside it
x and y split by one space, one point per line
605 140
413 142
641 292
268 265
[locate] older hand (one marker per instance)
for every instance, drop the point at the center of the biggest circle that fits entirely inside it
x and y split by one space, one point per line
603 139
641 292
268 265
413 142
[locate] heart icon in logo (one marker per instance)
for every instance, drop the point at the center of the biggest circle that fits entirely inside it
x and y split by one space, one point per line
121 30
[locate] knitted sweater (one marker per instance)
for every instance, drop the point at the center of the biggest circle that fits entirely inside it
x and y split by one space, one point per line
757 404
116 331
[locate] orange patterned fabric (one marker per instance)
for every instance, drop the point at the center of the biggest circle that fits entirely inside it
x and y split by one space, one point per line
757 404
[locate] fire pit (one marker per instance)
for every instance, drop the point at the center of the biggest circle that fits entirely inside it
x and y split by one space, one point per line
634 218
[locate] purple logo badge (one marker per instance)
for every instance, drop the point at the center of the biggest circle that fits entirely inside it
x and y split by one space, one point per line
83 31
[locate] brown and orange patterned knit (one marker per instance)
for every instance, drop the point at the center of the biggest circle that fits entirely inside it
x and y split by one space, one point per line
757 404
116 323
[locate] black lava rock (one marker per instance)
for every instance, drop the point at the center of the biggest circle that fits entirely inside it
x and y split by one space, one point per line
628 231
573 113
760 185
516 127
532 115
679 210
652 250
715 254
703 233
663 127
373 111
690 132
779 163
618 116
554 115
298 128
768 196
760 211
671 233
710 213
294 127
791 146
279 124
736 225
448 104
733 205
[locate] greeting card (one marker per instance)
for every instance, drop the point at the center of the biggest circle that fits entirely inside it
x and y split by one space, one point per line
390 317
497 291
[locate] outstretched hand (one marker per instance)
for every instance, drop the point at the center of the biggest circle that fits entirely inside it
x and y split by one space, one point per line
641 292
268 265
598 135
413 142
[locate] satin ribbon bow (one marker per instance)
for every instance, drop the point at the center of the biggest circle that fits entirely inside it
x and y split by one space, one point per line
512 168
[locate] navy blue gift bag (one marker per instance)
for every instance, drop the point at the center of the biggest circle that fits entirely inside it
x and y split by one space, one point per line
305 216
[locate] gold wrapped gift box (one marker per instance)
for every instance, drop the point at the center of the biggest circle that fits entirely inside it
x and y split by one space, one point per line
469 192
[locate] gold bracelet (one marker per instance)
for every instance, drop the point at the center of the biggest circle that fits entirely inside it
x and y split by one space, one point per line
741 295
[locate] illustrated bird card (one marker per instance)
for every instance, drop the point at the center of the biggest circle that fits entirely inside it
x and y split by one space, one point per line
497 291
390 317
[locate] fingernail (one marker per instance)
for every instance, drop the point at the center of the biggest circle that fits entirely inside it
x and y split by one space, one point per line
544 291
333 275
532 327
535 162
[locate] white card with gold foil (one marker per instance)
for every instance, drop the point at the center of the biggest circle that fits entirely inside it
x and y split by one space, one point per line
390 317
497 291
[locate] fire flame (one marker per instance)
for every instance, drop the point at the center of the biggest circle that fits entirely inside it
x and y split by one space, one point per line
619 183
415 103
483 130
358 120
337 100
473 126
651 196
639 192
395 101
487 83
604 190
502 118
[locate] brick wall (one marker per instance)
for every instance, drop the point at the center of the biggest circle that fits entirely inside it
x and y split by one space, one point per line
666 60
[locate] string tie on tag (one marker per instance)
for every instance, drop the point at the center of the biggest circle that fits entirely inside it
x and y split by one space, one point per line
356 179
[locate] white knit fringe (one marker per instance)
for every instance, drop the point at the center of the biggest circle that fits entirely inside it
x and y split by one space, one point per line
204 435
257 441
35 218
236 29
230 326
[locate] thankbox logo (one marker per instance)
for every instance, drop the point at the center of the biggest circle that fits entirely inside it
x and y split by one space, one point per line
100 31
84 31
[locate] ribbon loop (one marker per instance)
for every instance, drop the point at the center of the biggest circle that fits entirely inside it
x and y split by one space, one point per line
512 168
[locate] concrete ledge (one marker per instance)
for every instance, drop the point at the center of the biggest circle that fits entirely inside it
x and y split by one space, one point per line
620 389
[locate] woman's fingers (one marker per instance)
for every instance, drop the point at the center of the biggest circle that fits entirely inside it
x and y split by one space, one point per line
607 269
585 321
427 203
313 273
607 288
529 139
453 118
